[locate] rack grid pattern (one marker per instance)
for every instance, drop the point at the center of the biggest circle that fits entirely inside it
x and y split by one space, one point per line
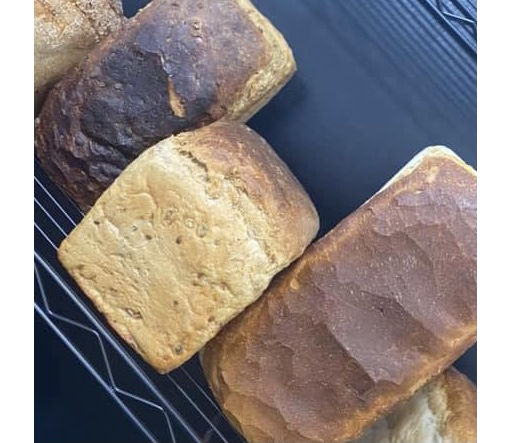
459 17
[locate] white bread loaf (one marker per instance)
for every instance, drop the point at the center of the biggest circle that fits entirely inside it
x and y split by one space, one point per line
443 411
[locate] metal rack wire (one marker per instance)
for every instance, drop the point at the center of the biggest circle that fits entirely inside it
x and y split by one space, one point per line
459 17
176 407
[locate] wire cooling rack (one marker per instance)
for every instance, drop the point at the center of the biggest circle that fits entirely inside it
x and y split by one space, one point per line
176 407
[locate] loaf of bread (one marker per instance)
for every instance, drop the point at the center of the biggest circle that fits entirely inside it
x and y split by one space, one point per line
177 65
367 316
187 236
64 32
443 411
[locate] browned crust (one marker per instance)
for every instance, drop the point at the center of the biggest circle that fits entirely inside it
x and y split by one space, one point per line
266 82
460 424
175 66
254 168
362 320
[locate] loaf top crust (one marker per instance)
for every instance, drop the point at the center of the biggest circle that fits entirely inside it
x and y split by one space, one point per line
368 315
189 235
177 65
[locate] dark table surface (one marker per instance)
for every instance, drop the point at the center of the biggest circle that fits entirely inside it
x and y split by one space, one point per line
377 81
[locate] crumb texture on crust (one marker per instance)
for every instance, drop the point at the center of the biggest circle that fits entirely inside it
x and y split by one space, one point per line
187 237
64 31
367 316
175 66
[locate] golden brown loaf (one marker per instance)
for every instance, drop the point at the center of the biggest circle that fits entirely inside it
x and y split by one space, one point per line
177 65
443 411
367 316
187 236
64 31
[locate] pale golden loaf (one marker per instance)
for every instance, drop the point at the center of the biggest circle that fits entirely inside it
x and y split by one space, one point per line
188 236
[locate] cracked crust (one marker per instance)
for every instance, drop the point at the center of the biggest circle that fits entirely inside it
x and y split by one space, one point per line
176 66
189 235
64 31
368 315
443 411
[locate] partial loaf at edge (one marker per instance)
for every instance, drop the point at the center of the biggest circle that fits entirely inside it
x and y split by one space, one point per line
443 411
64 32
367 316
188 236
177 65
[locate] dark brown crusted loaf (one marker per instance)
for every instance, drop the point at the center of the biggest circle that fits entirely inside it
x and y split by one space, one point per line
177 65
368 315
